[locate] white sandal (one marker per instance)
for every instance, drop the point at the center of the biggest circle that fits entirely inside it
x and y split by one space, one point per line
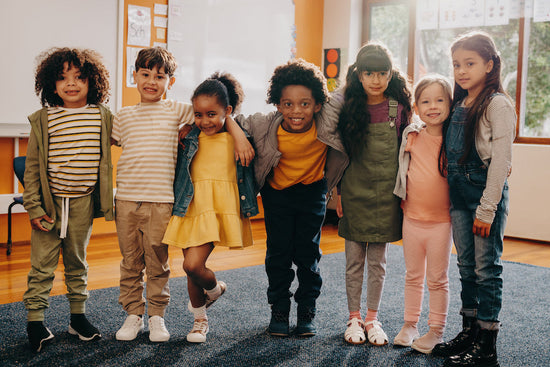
355 333
376 335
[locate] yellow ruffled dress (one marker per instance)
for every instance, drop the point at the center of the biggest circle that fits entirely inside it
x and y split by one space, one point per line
214 213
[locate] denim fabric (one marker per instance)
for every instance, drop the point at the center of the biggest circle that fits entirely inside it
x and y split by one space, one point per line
293 220
479 260
183 186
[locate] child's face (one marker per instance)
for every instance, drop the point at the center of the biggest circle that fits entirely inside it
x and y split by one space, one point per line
470 70
210 114
375 84
71 87
433 106
153 83
298 107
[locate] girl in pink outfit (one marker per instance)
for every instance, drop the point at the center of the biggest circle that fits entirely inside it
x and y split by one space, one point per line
422 185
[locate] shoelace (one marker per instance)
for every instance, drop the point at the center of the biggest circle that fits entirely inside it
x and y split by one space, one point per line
158 323
200 326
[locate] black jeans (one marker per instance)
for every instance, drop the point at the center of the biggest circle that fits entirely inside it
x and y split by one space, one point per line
293 220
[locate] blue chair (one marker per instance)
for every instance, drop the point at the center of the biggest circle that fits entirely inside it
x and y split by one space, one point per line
19 169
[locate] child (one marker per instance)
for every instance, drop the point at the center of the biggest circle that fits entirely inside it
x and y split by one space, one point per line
68 182
478 146
422 185
375 112
298 159
148 135
209 186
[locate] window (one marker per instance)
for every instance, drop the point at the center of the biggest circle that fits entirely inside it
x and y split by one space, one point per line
520 28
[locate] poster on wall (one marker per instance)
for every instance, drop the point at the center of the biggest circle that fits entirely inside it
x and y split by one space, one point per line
541 11
139 26
497 12
131 56
427 12
453 14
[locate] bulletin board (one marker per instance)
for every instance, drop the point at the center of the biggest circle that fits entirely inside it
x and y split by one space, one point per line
144 24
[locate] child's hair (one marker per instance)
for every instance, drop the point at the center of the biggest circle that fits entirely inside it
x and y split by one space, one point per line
484 46
224 87
297 72
150 57
50 68
420 87
354 118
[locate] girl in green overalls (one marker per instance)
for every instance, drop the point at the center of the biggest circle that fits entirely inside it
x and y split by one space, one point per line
375 111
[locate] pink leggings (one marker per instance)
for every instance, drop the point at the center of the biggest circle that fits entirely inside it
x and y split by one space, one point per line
427 248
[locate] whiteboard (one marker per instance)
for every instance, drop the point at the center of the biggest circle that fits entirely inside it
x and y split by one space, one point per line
29 27
247 38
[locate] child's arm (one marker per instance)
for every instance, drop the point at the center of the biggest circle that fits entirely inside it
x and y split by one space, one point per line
243 148
32 199
501 117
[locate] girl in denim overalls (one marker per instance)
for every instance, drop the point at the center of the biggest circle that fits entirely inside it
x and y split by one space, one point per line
213 195
479 148
376 110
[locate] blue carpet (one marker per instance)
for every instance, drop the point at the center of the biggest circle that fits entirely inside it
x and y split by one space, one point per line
239 319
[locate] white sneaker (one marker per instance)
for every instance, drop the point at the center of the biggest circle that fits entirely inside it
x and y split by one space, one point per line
209 300
157 330
198 334
132 326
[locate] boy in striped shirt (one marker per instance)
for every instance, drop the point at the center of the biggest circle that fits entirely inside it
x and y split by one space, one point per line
148 135
68 182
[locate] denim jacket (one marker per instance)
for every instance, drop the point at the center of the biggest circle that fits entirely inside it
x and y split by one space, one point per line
183 186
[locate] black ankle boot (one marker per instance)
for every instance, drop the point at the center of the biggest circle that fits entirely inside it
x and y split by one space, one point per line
482 354
461 342
306 322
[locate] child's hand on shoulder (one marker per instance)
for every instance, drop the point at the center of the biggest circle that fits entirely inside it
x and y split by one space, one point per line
244 151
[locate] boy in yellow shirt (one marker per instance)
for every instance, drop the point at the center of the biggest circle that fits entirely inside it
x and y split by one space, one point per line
298 160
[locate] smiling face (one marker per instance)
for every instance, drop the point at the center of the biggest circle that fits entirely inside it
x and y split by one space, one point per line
298 107
153 83
433 107
210 114
72 87
470 71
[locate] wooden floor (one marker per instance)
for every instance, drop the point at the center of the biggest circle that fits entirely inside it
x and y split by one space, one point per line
104 258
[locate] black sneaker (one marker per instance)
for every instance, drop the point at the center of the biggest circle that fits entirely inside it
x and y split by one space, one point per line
39 335
81 326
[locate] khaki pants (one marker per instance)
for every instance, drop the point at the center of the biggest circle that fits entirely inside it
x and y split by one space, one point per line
140 228
45 249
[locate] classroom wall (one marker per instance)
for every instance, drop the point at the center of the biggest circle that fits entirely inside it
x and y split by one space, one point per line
309 33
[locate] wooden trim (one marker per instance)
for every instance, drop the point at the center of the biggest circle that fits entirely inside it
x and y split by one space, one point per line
521 46
530 140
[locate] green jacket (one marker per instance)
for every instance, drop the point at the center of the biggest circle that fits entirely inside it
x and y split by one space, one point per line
37 197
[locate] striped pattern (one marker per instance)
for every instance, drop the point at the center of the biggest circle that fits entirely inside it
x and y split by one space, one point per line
74 150
148 135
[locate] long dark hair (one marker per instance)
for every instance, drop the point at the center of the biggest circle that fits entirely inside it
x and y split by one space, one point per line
484 46
354 118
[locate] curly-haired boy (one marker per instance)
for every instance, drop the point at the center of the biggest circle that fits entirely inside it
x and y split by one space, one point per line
298 160
68 182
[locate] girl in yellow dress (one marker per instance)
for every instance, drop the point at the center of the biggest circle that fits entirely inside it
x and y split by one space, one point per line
214 195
